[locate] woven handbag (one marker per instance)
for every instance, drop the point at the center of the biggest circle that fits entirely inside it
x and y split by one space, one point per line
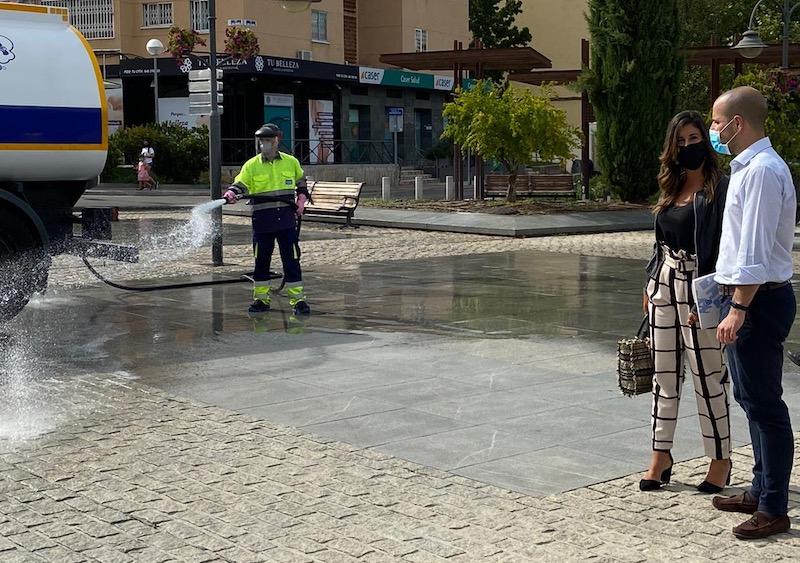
635 363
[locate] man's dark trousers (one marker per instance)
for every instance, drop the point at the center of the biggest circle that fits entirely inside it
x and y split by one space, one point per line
264 246
755 361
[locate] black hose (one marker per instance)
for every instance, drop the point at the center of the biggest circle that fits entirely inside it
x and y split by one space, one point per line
162 287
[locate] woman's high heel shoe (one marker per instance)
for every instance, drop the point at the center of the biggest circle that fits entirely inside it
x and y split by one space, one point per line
711 488
652 484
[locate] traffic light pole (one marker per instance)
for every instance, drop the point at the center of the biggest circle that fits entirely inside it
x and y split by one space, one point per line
215 138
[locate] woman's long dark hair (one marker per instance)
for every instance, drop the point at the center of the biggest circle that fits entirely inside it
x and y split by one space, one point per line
672 175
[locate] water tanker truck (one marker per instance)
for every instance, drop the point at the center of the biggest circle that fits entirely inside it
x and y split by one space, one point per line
53 145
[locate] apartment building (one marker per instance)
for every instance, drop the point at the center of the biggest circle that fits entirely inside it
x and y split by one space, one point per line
318 72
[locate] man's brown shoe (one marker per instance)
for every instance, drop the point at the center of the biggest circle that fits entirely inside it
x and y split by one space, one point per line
761 526
739 503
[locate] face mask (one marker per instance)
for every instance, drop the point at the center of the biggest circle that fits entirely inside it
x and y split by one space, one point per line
691 157
716 141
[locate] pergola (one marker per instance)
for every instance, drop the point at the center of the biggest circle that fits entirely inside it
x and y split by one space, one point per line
477 61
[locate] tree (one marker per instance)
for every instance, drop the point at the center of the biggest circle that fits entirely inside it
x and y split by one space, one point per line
632 84
509 125
705 21
494 25
782 90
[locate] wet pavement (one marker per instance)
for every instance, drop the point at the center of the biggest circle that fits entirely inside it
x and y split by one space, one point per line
497 367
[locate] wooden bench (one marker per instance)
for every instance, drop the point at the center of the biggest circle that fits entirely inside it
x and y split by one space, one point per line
543 185
334 199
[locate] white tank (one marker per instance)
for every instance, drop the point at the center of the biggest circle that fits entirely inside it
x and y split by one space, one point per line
52 102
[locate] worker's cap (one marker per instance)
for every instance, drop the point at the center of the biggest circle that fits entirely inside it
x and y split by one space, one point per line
268 131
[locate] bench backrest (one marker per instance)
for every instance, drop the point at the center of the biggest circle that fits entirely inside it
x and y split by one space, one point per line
335 195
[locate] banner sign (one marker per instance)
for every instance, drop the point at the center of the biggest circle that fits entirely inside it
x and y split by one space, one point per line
254 65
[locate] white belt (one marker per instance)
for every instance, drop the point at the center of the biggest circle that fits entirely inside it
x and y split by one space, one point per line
687 265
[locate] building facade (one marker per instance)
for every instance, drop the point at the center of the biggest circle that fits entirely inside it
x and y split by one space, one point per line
318 74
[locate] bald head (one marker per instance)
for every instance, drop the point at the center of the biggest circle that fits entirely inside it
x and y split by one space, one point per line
746 102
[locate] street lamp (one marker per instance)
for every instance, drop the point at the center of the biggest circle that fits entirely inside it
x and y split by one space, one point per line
214 127
155 48
751 44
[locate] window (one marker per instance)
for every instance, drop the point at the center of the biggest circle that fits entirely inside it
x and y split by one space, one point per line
199 14
421 40
94 18
157 14
319 26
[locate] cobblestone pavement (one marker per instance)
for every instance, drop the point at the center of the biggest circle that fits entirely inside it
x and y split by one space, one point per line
137 475
365 244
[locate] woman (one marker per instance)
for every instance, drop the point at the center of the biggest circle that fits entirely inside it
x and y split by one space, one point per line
148 155
688 222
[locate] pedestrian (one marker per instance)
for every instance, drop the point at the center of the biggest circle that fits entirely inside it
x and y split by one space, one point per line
149 155
279 193
753 269
688 222
143 175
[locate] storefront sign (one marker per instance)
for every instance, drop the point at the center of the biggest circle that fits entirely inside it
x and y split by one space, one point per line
404 79
234 65
443 82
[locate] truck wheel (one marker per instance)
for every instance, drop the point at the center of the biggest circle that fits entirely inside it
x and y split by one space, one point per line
23 262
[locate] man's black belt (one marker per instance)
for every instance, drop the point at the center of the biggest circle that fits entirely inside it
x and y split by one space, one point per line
768 286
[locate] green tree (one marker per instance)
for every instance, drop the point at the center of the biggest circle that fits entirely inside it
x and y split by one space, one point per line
782 91
494 25
509 125
632 84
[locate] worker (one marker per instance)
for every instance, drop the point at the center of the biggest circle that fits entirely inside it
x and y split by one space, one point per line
276 186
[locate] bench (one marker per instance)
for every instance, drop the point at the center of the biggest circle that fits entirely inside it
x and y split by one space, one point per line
338 199
545 185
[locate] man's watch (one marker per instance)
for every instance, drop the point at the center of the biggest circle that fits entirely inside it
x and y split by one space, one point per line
739 306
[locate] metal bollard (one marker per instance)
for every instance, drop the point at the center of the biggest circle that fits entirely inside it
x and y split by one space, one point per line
418 187
475 187
386 188
449 188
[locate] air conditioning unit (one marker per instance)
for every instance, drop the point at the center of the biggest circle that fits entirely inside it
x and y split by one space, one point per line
304 55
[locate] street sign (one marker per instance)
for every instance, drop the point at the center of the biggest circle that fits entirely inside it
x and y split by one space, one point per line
205 74
202 109
200 91
396 120
241 23
200 87
203 99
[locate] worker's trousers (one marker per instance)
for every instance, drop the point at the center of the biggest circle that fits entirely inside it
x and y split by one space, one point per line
263 247
673 340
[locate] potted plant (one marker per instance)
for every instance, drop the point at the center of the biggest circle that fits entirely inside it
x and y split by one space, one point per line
241 43
182 42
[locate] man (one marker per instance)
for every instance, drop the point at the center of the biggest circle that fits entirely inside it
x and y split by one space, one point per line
754 268
273 179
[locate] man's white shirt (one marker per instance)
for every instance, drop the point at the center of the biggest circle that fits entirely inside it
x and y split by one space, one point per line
758 225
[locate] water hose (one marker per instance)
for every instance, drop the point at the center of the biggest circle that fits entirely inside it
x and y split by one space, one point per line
184 285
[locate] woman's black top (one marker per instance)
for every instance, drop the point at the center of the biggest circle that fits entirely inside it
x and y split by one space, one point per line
676 224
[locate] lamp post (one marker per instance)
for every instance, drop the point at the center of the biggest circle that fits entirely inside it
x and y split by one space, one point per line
155 48
214 129
751 44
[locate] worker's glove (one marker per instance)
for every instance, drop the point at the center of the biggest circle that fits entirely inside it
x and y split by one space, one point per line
230 197
302 200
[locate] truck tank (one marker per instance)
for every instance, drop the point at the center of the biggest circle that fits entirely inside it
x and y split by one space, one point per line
53 141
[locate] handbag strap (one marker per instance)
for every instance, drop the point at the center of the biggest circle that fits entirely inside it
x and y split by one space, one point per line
644 328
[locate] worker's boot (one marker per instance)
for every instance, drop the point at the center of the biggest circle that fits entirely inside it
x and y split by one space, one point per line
297 298
261 299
